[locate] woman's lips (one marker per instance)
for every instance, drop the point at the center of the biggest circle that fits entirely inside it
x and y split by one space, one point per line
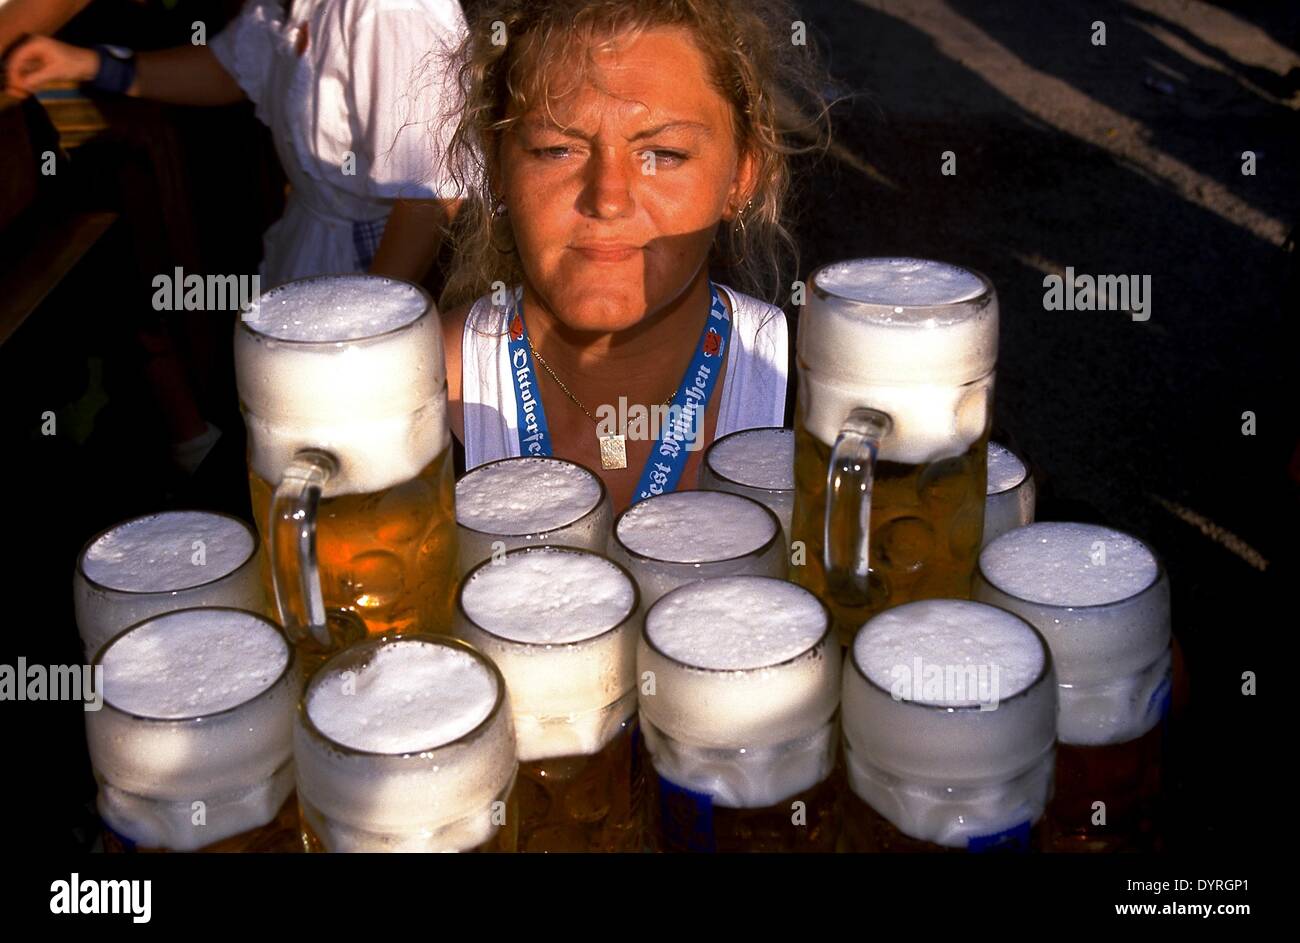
607 254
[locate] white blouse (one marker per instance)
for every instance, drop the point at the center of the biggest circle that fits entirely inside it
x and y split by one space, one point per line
753 387
357 118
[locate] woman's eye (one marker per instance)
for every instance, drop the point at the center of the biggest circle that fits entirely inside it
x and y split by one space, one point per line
553 152
669 158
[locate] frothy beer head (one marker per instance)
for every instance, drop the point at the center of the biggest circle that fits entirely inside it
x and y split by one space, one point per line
1005 469
757 458
910 337
561 625
352 364
158 552
525 495
197 708
745 684
1101 599
949 717
696 527
403 744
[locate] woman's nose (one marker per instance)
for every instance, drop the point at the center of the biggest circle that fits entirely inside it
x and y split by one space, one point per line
610 179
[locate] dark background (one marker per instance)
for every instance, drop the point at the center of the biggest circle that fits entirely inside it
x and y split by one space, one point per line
1122 159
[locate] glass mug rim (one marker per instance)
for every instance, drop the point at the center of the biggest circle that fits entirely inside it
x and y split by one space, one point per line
604 494
986 294
289 666
94 584
708 465
1039 679
517 643
425 753
1156 580
695 586
429 309
757 552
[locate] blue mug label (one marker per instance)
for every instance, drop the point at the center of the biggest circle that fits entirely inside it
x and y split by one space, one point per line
686 817
1015 838
1163 695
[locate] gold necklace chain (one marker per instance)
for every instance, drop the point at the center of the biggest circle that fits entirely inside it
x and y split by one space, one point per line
560 383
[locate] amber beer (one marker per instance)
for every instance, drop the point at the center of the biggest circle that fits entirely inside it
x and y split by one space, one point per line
1101 598
949 714
896 366
343 387
192 747
406 745
562 624
739 693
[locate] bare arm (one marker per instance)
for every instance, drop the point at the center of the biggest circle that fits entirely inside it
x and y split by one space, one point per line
183 75
412 238
19 17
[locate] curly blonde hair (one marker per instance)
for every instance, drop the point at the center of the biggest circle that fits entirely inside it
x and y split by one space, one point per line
775 88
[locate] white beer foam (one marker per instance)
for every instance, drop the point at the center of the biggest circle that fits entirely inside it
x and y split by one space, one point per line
418 696
695 526
908 282
911 349
736 623
759 458
1066 564
156 553
525 495
407 698
238 761
939 771
780 684
949 633
1005 469
152 823
545 616
336 308
374 399
192 663
749 778
1107 623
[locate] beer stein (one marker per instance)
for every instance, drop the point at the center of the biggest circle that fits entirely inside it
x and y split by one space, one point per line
343 387
896 364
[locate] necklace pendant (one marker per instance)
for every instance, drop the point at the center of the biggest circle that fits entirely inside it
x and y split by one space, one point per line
613 452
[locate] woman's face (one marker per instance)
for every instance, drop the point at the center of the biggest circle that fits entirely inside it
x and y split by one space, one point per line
615 195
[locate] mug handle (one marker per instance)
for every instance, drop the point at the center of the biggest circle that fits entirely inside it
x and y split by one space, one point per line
295 574
847 528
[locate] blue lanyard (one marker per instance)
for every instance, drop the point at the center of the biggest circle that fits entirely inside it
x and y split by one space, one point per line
663 469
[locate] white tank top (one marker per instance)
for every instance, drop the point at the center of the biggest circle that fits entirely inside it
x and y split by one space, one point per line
753 389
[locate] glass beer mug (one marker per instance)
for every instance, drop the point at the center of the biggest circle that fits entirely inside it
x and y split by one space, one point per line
896 363
344 392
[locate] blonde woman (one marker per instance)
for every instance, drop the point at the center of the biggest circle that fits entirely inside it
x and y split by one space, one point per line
612 151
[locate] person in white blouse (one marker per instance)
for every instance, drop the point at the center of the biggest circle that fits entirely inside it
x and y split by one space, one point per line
626 149
356 99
